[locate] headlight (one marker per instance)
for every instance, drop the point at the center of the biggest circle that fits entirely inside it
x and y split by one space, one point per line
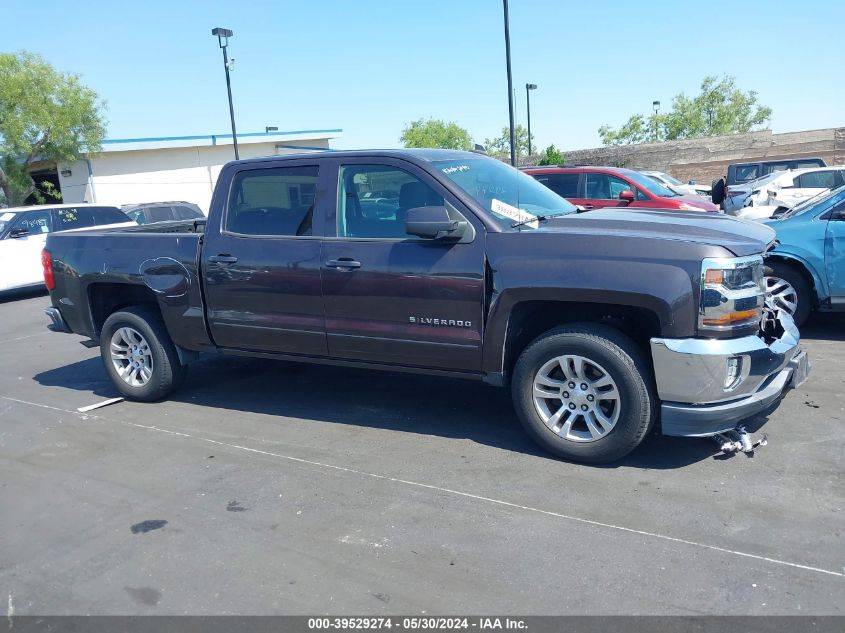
688 207
732 294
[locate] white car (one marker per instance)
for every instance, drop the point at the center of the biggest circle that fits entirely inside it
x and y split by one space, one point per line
690 189
793 187
23 233
737 195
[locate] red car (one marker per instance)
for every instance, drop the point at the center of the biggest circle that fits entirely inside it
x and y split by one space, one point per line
598 187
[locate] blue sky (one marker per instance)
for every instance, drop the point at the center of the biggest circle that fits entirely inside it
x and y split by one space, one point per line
370 66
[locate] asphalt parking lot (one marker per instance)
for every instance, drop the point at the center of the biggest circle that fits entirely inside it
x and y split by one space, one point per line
271 488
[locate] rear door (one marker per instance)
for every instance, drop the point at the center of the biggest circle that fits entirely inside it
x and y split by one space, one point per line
567 185
262 263
395 298
807 185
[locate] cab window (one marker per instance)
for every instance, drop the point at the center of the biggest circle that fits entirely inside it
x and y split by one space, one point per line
359 215
277 201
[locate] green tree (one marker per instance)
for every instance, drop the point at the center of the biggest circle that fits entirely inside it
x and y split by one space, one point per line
551 156
45 115
436 133
500 147
719 108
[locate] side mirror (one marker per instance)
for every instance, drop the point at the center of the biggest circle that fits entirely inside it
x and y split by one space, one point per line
16 233
432 223
627 195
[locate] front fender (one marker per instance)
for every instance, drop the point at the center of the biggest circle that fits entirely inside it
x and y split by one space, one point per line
809 262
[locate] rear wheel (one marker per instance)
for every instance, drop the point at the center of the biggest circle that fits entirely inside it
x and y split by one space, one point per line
582 392
788 290
139 356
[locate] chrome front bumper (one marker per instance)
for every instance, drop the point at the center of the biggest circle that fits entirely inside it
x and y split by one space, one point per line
698 396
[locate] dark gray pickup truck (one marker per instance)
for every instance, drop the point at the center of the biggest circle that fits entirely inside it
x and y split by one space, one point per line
602 324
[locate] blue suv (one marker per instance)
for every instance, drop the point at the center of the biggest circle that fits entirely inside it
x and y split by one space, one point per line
806 270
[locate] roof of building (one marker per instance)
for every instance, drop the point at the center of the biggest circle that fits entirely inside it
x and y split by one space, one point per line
198 140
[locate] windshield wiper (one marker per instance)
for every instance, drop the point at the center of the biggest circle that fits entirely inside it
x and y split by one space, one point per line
540 218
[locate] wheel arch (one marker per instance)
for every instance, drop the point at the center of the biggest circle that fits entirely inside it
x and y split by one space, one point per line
104 299
811 276
529 319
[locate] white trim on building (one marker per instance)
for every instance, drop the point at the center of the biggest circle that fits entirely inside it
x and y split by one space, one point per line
173 168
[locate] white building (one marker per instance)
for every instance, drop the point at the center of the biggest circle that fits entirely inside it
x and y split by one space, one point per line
185 168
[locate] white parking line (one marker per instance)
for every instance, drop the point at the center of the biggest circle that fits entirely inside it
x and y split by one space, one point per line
21 338
458 493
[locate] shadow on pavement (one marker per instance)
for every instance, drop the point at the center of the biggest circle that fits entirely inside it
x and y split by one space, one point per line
449 408
8 296
825 326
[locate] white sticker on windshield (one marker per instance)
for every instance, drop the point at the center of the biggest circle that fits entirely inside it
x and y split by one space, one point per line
512 213
6 217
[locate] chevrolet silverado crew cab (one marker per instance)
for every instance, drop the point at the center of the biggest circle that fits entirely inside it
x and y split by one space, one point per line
603 324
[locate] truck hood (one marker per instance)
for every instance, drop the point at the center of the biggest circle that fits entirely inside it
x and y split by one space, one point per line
738 236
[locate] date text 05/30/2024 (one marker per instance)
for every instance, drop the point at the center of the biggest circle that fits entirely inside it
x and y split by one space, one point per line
416 623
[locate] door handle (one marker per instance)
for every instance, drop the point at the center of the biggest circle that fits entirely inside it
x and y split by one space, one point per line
222 259
343 262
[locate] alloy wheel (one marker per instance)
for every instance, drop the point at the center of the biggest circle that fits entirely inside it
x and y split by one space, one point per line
576 398
131 356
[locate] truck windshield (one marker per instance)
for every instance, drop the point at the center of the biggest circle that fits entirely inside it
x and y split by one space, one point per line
507 194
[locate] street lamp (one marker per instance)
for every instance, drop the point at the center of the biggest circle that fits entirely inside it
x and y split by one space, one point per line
656 106
223 36
510 82
528 89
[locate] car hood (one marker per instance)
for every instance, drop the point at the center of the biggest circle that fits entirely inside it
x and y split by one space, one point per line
738 236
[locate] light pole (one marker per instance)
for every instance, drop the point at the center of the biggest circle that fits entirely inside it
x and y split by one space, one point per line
223 36
656 106
528 89
510 82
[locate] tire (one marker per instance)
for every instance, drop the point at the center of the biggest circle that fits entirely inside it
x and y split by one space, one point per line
783 281
622 423
717 191
158 371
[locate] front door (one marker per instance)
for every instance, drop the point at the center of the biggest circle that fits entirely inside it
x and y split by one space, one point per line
22 254
834 252
395 298
262 267
602 190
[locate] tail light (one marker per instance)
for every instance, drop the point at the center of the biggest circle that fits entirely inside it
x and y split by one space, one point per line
47 265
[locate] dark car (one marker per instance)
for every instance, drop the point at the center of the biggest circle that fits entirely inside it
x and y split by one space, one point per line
740 173
600 187
603 324
150 212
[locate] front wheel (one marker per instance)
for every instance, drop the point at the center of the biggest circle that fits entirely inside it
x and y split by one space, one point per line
139 356
583 393
787 290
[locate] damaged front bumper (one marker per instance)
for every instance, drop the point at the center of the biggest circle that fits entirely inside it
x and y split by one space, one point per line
708 386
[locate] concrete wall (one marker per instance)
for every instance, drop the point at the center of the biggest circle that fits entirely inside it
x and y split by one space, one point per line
154 175
705 159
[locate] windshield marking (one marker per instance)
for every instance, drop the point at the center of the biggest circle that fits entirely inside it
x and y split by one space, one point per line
513 213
